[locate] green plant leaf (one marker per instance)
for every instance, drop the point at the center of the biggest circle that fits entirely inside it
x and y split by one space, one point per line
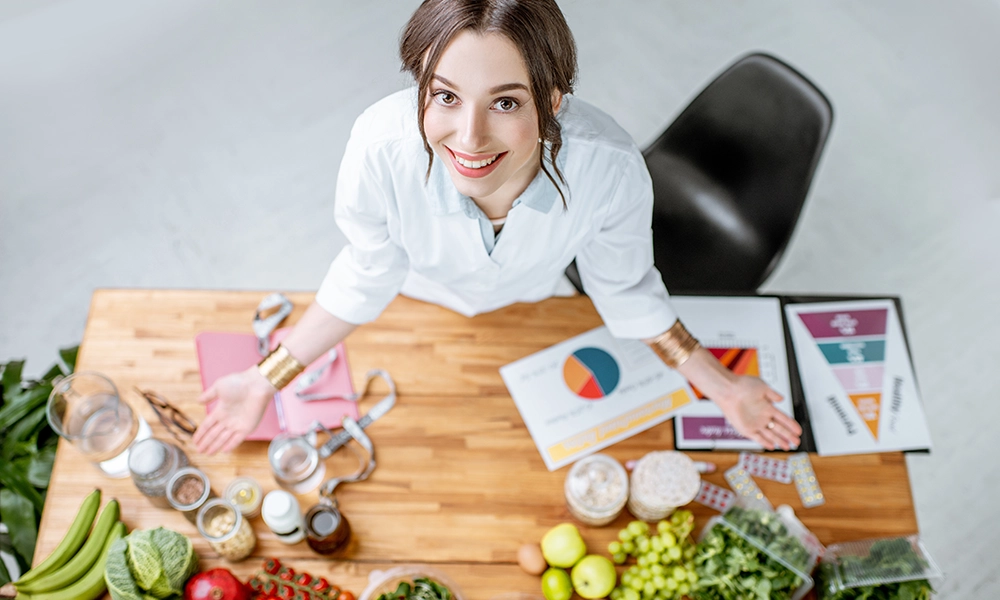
17 482
40 468
68 356
22 403
11 377
19 516
4 574
26 428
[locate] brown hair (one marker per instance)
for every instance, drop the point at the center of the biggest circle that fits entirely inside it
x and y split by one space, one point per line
536 27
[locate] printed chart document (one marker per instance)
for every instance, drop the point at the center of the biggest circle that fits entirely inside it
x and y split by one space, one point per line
747 335
857 378
591 391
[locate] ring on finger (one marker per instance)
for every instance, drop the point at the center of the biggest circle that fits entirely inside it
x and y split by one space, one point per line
770 424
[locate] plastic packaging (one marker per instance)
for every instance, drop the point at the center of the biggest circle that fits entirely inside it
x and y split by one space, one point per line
384 582
596 489
875 562
771 539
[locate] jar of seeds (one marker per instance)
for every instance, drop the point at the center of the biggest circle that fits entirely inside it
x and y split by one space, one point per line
188 490
152 463
227 532
596 489
661 482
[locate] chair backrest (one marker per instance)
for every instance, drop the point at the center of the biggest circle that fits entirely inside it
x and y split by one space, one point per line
731 173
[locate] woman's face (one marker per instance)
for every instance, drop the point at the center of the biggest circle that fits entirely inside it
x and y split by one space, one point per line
480 118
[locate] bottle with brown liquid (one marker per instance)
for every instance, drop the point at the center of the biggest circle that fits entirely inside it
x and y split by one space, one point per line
327 529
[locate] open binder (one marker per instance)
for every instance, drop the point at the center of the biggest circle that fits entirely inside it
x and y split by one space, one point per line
844 361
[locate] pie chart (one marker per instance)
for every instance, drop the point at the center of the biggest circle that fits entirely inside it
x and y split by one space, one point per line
591 373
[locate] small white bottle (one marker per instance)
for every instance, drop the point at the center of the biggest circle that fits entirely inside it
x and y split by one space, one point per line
282 514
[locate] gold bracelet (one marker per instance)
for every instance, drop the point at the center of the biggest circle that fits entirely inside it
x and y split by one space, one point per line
675 345
280 367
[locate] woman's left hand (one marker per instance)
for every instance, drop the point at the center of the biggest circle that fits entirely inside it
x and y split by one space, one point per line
749 405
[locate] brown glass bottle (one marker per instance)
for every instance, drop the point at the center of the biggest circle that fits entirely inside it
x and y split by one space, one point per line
327 529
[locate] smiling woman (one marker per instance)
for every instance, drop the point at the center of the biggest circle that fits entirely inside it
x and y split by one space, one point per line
448 193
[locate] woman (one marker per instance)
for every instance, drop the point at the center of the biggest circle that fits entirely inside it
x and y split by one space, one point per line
475 190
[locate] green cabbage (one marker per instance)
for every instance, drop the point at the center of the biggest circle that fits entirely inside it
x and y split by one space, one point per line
150 564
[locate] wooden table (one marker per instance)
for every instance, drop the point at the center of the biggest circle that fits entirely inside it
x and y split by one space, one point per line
459 482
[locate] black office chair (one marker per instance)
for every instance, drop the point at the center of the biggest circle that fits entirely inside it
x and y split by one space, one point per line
730 175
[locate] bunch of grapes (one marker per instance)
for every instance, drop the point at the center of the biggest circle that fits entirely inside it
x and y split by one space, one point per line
664 567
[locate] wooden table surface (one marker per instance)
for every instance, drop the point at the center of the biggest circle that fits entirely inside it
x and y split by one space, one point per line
459 482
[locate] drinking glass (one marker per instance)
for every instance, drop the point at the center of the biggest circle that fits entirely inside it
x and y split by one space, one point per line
85 409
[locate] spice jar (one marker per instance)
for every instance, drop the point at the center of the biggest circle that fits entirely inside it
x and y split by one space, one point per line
227 532
152 463
327 529
188 490
295 463
596 489
246 494
281 512
661 482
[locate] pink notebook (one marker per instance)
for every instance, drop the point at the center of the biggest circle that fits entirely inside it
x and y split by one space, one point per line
220 354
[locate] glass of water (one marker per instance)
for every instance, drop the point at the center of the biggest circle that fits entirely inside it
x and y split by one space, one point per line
85 409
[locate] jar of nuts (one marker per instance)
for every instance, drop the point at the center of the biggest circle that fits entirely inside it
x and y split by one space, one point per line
225 528
596 489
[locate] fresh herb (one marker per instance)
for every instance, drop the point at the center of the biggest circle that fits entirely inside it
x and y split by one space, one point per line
27 451
422 589
886 559
731 568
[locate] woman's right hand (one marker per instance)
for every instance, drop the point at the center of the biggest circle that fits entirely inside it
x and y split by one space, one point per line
242 399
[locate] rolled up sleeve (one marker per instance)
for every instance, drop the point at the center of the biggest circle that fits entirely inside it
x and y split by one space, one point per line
616 267
369 272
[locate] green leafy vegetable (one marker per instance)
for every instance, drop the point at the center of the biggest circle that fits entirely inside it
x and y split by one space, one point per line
149 564
423 588
731 568
887 559
27 450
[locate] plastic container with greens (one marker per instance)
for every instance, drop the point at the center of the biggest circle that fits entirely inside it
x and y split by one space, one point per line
755 553
407 582
894 568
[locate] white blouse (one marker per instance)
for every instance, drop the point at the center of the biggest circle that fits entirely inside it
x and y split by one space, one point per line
420 237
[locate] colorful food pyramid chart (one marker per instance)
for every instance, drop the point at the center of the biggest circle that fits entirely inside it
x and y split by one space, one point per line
591 373
742 361
853 344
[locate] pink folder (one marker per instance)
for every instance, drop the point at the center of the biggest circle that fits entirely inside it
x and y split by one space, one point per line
221 353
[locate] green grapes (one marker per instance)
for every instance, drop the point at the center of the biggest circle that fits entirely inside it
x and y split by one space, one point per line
663 567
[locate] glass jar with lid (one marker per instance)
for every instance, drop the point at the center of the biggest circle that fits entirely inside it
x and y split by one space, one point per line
596 489
188 490
662 482
246 494
152 463
225 528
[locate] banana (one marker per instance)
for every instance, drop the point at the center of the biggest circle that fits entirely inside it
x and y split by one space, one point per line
83 560
70 543
91 585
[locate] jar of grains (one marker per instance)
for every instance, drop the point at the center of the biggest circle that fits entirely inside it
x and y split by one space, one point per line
227 532
188 490
596 489
152 463
661 482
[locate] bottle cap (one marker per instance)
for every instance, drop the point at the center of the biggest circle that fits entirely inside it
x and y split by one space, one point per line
281 512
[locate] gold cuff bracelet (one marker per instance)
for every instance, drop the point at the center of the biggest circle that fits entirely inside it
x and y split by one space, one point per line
675 345
280 367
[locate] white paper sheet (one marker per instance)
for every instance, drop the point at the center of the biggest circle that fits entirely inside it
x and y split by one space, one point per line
592 391
747 335
857 377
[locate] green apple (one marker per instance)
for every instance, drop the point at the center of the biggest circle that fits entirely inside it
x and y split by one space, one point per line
563 546
594 576
556 584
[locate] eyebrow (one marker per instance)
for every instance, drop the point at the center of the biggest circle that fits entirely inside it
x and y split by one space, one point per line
494 90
